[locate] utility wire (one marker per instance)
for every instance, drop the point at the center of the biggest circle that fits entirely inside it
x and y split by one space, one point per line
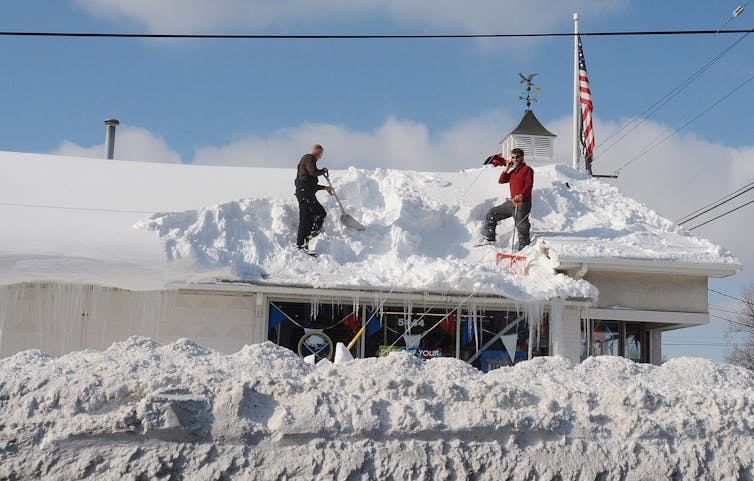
738 11
726 295
701 343
749 327
666 137
715 308
715 204
92 209
721 215
348 37
652 109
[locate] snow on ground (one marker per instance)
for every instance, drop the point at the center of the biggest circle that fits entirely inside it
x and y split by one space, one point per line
152 226
140 410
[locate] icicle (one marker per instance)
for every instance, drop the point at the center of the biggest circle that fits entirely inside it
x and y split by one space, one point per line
408 309
474 319
556 326
69 317
586 326
534 313
148 310
356 308
314 303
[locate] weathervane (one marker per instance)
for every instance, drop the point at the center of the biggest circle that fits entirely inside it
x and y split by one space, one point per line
527 80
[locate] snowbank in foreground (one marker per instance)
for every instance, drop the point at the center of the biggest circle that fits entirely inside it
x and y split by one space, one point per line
144 411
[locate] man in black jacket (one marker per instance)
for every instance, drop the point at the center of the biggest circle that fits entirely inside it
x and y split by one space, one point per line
311 214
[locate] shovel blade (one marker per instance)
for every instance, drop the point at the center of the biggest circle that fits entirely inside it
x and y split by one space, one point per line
349 221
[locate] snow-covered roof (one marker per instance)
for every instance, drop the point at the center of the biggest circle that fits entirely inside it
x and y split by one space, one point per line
141 225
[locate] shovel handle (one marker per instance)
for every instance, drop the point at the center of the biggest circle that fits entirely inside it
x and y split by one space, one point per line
355 338
327 177
515 227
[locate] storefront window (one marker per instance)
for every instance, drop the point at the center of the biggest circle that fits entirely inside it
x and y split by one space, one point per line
632 343
428 333
494 339
306 331
606 338
487 340
614 338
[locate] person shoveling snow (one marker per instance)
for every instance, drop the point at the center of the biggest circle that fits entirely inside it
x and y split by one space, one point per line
521 179
311 214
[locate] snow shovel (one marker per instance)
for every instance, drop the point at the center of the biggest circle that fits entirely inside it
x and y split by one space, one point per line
345 219
516 263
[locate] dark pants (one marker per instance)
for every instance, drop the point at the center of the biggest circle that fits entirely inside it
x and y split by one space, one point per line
520 216
311 215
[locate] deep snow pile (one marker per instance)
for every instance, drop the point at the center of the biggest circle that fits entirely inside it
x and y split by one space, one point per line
69 219
144 411
421 232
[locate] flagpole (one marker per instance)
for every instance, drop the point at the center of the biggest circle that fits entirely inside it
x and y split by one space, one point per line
576 115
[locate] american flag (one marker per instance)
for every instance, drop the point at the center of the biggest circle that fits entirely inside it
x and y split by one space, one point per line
585 96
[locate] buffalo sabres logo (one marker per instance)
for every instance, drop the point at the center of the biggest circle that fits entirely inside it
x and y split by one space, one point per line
315 342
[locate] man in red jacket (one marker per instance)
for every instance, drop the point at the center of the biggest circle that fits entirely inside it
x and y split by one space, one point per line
521 179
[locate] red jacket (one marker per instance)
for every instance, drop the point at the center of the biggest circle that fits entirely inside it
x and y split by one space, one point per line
521 181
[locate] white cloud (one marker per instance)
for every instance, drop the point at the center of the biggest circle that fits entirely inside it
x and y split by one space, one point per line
396 144
131 143
478 16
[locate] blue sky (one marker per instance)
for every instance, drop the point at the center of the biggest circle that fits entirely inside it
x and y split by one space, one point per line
426 104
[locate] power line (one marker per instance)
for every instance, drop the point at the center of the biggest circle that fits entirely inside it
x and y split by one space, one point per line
715 308
349 37
61 207
715 204
735 13
749 327
722 318
652 109
726 295
721 215
666 137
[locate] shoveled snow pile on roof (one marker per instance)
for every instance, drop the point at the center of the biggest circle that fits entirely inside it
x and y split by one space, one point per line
421 232
143 411
72 219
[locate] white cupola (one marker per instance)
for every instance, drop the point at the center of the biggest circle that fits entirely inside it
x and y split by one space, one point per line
531 137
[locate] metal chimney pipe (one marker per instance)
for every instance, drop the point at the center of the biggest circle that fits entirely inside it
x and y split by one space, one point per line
110 137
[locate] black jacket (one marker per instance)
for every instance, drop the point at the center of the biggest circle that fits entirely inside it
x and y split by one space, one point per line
307 174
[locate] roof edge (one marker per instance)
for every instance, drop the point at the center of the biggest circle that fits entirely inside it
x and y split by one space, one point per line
653 266
267 287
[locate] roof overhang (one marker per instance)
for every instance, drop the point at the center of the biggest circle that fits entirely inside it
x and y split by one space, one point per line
648 266
367 294
636 315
